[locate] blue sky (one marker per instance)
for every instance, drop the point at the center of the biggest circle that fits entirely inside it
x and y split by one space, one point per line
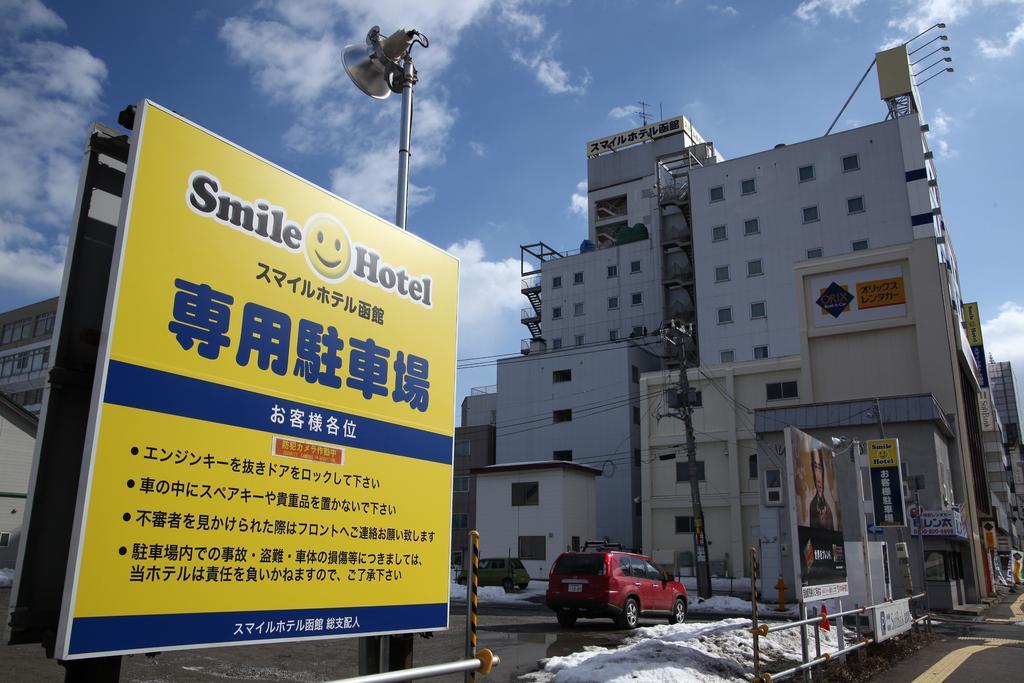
509 92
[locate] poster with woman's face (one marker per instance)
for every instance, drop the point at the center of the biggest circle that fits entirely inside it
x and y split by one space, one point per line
815 509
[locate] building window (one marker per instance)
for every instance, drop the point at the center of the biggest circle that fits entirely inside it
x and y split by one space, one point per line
748 186
556 343
44 323
564 456
579 340
684 524
638 331
460 484
725 315
751 226
757 310
460 521
637 298
556 282
463 448
562 415
855 205
716 194
634 266
755 268
525 493
636 415
752 466
760 352
779 390
613 271
806 173
727 355
577 278
719 234
773 487
860 245
613 303
634 374
810 214
24 362
577 309
683 471
556 312
851 163
16 331
696 399
561 376
721 273
613 335
816 252
532 548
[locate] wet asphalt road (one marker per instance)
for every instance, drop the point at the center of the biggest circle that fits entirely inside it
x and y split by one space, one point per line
521 636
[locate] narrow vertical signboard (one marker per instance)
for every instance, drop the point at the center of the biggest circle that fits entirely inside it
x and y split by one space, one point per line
269 455
886 482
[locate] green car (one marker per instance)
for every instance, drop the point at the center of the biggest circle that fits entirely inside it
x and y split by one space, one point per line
500 571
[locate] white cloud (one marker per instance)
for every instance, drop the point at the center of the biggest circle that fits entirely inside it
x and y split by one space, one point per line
625 112
728 10
578 200
940 123
477 149
28 15
993 50
549 72
331 116
919 15
810 10
489 300
48 94
532 25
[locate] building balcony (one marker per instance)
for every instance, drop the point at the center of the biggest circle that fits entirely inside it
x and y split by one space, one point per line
529 315
530 284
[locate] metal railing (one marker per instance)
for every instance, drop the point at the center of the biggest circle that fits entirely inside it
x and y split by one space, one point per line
528 314
531 282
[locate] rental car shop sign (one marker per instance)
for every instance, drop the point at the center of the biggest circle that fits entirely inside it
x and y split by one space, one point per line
270 448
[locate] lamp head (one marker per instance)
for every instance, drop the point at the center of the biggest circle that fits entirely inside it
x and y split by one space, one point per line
374 67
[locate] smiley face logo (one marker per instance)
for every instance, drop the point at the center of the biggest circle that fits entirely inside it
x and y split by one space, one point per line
328 248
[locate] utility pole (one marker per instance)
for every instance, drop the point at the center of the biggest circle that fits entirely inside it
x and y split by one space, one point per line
676 333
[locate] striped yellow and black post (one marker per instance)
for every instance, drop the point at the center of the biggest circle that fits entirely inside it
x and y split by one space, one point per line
471 599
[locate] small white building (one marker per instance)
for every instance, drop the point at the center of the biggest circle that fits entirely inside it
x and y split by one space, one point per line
17 442
535 510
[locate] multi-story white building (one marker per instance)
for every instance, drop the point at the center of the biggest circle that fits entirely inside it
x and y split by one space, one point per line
827 267
593 318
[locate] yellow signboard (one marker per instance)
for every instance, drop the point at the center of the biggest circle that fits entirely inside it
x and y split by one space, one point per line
883 453
877 293
972 324
270 453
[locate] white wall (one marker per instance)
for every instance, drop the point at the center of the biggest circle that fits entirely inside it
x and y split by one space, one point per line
784 239
565 509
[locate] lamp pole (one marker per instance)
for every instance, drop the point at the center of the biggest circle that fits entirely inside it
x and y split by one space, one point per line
379 68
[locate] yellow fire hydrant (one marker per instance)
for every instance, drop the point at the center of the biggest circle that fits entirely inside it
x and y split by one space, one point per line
780 586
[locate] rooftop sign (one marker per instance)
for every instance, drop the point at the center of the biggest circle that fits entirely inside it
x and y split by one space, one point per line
679 124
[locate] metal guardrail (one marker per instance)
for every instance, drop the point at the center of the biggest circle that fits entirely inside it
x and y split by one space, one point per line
484 661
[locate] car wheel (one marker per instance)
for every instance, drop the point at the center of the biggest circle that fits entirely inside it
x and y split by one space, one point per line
523 586
507 585
566 619
630 616
678 615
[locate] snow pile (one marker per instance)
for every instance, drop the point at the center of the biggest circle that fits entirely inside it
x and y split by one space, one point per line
726 604
6 578
494 595
708 652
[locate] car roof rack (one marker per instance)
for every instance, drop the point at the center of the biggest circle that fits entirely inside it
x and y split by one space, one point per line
600 545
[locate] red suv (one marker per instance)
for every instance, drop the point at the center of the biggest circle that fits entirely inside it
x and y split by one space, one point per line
607 583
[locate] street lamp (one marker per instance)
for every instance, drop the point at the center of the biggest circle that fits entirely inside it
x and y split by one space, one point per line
379 68
937 73
935 63
918 49
944 48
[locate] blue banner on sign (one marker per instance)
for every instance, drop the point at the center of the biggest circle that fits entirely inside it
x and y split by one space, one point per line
157 631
